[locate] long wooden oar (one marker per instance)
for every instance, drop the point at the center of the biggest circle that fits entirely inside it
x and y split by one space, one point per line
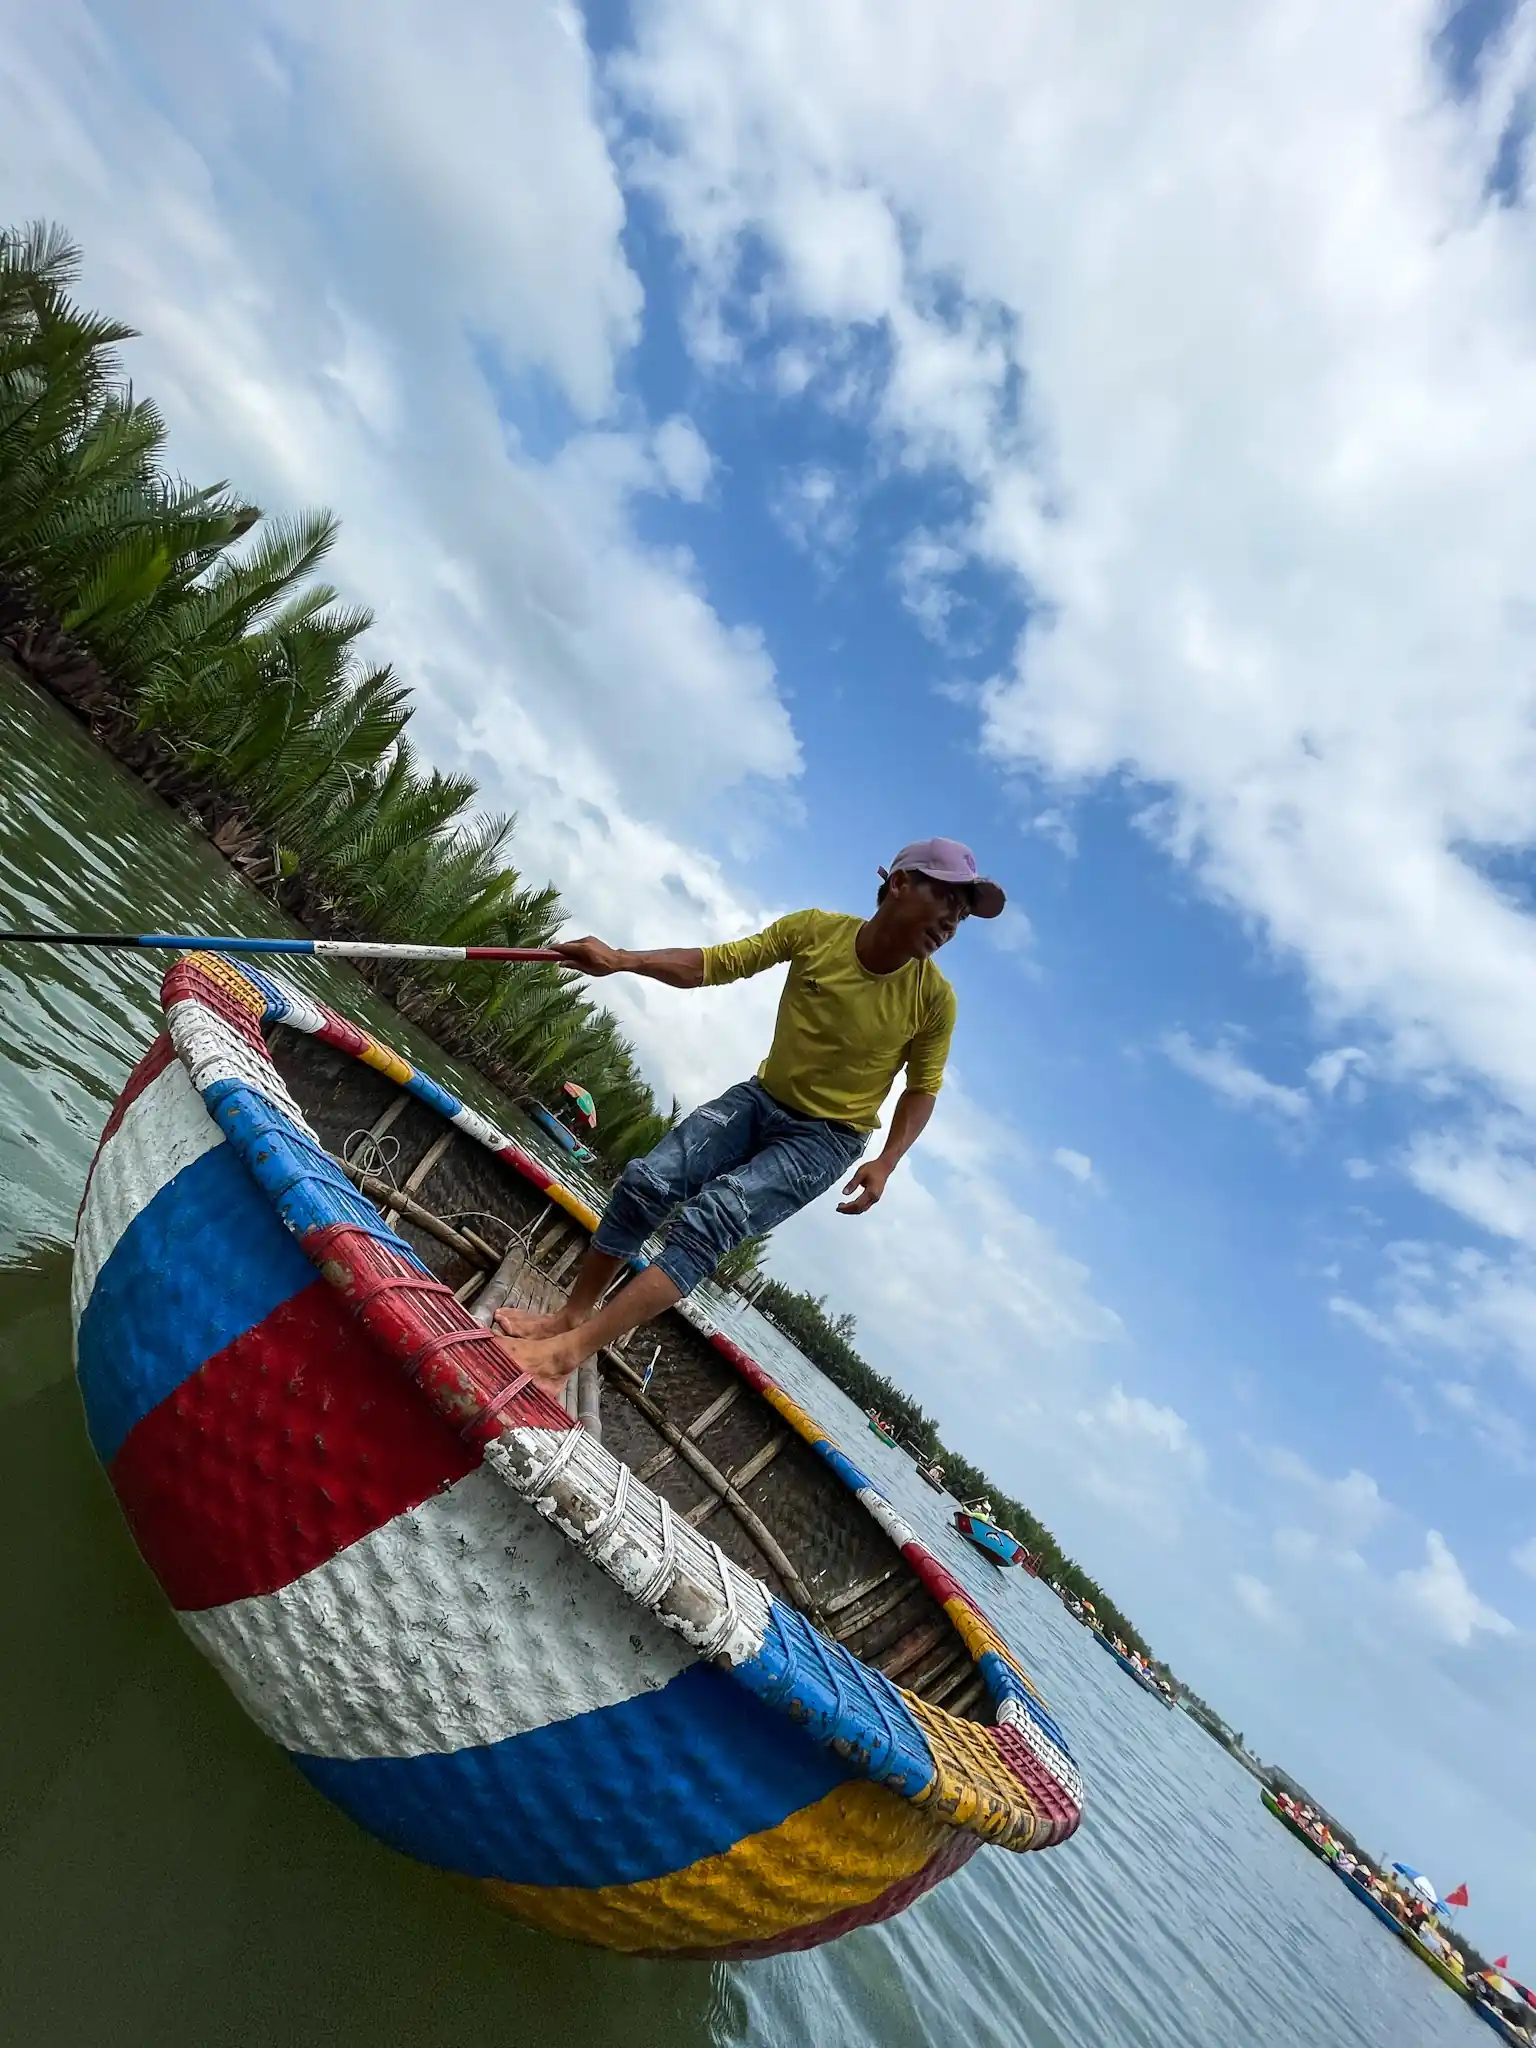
336 949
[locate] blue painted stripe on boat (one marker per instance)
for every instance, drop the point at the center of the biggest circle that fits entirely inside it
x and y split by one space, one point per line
308 1191
277 996
1003 1682
839 1700
843 1466
431 1092
674 1775
198 1266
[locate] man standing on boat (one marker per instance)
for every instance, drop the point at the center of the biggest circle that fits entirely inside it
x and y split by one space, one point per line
863 1001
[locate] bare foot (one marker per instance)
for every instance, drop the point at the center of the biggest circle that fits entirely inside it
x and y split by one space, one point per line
528 1322
549 1359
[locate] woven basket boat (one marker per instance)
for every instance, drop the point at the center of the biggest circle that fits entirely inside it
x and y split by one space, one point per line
695 1689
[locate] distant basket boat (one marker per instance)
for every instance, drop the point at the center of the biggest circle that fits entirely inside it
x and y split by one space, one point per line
505 1648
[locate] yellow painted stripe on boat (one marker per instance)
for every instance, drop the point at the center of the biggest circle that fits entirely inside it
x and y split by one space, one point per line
383 1061
978 1634
229 978
799 1419
972 1785
840 1853
573 1205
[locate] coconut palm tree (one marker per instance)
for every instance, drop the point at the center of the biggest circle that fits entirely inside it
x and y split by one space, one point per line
244 674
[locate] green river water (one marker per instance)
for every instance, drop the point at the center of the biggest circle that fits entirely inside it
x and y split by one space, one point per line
166 1878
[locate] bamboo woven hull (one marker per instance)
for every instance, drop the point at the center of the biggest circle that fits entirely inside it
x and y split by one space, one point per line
487 1643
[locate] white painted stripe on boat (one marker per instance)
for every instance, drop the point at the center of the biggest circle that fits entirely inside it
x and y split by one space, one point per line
1015 1715
475 1126
211 1050
463 1622
658 1559
895 1527
164 1130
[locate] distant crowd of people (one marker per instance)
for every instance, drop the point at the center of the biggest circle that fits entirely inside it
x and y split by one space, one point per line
1418 1917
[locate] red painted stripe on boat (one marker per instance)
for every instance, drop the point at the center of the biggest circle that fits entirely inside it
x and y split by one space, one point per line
1045 1794
150 1068
190 981
344 1036
525 1164
938 1578
294 1441
463 1370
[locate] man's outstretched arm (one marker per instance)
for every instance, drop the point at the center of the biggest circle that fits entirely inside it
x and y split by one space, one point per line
907 1126
677 966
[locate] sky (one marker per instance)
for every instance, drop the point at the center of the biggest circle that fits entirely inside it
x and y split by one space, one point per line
1105 436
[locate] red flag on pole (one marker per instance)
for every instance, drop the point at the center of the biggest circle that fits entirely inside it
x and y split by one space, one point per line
1501 1962
1457 1897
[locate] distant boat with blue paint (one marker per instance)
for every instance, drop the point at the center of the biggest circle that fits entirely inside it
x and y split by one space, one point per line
557 1130
997 1546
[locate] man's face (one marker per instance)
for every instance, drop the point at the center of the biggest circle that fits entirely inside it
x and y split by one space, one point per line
928 913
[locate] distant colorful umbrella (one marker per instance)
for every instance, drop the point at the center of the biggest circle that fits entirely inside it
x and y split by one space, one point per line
583 1102
1416 1881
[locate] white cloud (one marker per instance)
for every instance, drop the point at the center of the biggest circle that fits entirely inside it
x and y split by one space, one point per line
1439 1301
424 326
1344 1066
1240 383
1219 1069
1259 1599
1012 932
1359 1169
1341 1513
924 570
1140 1460
1132 1416
683 457
1485 1171
1439 1596
1077 1164
1523 1557
814 509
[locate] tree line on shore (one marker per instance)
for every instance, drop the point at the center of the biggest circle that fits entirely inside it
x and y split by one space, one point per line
827 1339
197 638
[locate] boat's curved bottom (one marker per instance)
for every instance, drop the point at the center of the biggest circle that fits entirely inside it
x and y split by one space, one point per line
822 1873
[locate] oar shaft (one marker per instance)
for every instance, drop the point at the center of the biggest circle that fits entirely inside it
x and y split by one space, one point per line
336 949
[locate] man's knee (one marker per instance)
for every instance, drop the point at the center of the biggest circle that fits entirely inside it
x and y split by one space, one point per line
732 1211
641 1184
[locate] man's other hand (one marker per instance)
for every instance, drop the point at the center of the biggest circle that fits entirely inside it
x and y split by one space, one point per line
869 1181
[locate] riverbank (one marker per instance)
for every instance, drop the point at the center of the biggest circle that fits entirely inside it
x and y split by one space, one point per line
37 653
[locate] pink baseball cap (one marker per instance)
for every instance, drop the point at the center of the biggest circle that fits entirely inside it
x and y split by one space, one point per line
946 860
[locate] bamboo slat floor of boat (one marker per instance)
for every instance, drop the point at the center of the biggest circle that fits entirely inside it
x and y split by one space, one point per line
694 1431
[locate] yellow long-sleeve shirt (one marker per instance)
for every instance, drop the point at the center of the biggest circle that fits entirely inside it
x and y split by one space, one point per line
842 1034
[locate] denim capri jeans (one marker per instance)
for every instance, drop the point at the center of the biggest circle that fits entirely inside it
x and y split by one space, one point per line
739 1166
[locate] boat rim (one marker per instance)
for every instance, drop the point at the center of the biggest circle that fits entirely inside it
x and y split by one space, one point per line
1012 1781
